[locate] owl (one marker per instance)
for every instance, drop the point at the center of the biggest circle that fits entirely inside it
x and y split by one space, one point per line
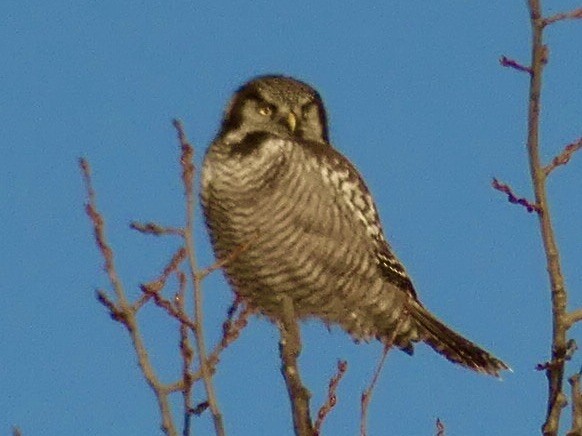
273 183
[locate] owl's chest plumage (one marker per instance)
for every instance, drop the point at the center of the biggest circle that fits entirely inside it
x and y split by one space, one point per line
276 202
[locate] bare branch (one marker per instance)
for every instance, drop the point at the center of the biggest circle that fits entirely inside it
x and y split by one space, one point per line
169 307
331 399
156 286
155 229
512 198
572 15
223 262
230 332
564 157
560 345
186 161
440 426
571 348
122 311
510 63
367 394
576 429
574 317
187 353
289 349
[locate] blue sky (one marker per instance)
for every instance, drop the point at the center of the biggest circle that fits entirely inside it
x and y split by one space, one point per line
416 99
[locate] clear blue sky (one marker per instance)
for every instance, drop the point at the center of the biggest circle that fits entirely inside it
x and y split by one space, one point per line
417 100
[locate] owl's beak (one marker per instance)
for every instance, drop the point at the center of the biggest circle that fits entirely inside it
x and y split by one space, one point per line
291 121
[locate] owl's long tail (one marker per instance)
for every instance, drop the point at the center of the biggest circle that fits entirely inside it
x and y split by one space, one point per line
452 345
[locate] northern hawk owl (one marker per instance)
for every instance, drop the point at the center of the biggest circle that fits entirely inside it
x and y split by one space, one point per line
273 183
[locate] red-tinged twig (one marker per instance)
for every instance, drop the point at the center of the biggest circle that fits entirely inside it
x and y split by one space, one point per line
171 308
121 310
156 286
512 198
230 332
510 63
576 429
331 399
187 353
186 162
289 350
16 431
155 229
201 274
576 14
367 394
564 157
440 427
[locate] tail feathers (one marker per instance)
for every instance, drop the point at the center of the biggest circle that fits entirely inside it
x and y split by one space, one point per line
452 345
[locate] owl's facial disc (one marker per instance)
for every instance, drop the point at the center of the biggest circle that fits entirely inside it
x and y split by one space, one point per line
279 106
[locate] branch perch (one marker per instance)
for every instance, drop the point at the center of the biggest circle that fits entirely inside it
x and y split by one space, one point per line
290 349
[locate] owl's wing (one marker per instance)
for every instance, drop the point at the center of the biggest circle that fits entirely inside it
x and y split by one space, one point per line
357 206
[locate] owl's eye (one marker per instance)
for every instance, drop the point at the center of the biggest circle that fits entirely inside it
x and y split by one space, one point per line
265 110
306 110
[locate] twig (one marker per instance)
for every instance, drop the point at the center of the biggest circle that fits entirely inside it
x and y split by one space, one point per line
574 317
230 332
576 429
564 157
555 373
440 426
571 348
510 63
289 349
156 286
121 310
331 398
155 229
187 354
186 161
201 274
512 198
367 394
572 15
172 309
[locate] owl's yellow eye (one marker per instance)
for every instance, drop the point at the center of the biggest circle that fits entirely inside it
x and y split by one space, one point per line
265 110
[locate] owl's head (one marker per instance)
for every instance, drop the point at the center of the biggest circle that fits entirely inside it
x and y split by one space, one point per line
277 105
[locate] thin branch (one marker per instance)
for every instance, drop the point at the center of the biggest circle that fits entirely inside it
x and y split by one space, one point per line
172 310
155 229
186 161
512 198
187 354
289 350
156 286
510 63
574 317
230 332
121 310
572 15
331 399
564 157
440 427
367 394
201 274
555 372
576 429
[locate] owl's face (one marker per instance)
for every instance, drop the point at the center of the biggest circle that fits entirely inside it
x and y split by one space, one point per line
276 105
